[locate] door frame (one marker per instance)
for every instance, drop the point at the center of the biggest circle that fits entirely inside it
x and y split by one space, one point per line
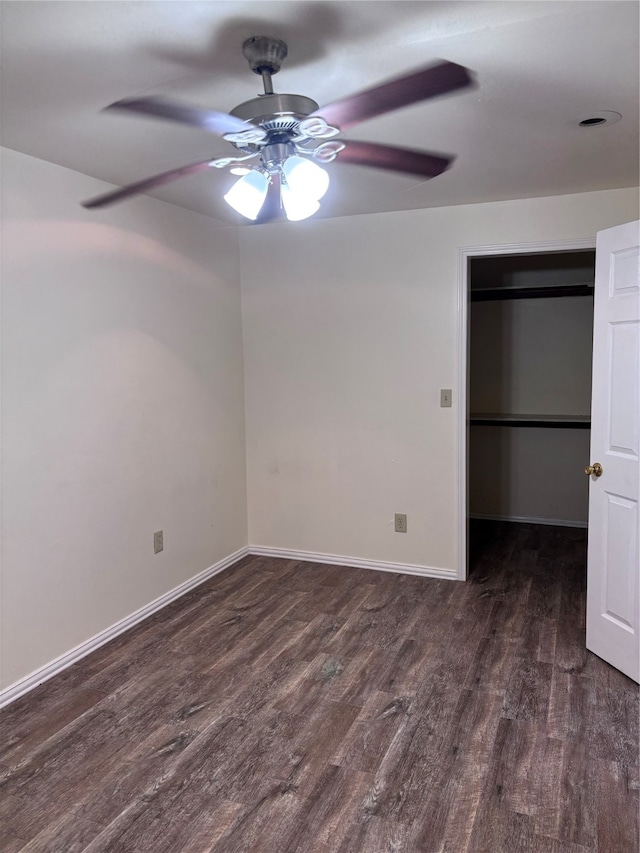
465 255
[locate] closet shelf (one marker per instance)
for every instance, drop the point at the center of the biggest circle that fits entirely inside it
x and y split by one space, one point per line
494 293
545 421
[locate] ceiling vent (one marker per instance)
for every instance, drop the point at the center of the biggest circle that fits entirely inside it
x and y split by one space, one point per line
599 119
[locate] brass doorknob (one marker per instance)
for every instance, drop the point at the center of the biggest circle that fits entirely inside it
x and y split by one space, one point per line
595 469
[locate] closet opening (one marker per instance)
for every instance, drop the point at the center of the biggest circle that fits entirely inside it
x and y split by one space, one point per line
529 354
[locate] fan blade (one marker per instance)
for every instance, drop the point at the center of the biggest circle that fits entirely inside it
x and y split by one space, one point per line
426 83
210 120
394 159
147 184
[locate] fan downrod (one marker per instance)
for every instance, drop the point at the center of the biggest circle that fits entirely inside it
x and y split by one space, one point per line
265 55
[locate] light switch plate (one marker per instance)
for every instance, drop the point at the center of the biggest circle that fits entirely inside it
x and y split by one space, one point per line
445 398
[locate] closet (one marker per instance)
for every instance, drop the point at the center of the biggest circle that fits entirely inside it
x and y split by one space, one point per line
530 337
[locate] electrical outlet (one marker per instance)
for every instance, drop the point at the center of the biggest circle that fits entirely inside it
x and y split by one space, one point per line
445 398
401 522
158 542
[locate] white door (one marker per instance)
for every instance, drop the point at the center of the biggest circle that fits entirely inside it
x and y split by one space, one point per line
613 558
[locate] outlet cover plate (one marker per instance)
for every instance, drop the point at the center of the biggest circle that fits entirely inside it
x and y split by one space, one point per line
400 522
158 542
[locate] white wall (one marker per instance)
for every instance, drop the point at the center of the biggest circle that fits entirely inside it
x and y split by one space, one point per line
350 332
529 473
122 407
531 356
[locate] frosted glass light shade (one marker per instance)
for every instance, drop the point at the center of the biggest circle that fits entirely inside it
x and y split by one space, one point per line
297 205
248 194
305 177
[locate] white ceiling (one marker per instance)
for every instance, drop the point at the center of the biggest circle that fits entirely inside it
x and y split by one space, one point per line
540 67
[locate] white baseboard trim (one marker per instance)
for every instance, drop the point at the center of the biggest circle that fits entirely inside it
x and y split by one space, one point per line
354 562
553 522
24 685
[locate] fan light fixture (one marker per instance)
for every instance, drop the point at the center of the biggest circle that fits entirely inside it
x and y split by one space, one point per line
305 177
248 193
302 185
297 205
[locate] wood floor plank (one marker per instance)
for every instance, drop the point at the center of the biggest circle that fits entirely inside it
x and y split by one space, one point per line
314 685
357 679
279 678
362 628
493 664
379 835
497 817
63 835
259 828
317 635
148 765
571 706
28 731
20 818
528 692
411 765
578 798
451 806
614 832
614 732
333 810
153 817
368 740
267 750
406 665
10 843
64 763
339 600
549 816
539 639
207 828
287 706
316 744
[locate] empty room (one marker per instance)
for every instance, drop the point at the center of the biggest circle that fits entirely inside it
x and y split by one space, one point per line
320 426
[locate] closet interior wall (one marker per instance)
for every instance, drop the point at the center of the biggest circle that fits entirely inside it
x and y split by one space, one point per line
531 324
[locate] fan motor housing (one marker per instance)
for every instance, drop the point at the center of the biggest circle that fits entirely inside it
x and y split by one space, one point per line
267 108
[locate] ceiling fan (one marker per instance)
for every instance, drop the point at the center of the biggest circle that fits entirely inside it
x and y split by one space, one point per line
282 138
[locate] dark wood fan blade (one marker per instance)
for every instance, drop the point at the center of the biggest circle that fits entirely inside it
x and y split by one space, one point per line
419 86
209 120
394 159
147 184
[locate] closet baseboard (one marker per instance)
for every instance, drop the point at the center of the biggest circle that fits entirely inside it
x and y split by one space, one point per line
525 519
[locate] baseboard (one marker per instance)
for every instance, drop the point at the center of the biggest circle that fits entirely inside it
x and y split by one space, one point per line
19 688
24 685
553 522
354 562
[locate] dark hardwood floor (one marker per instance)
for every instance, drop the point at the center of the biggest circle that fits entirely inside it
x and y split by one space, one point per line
286 706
